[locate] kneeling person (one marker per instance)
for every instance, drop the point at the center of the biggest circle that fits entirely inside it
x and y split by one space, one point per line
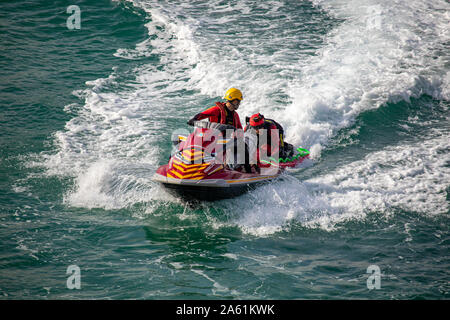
272 144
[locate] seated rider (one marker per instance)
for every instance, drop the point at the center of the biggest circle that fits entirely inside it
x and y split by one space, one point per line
223 112
272 144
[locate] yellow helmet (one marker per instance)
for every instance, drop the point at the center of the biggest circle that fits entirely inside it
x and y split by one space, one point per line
232 94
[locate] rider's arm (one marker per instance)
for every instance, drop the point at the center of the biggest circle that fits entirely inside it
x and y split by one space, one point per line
213 111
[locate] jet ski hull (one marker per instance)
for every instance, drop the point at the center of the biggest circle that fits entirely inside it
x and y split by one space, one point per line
197 172
203 193
228 184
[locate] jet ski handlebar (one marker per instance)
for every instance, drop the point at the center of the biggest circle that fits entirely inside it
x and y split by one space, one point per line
212 125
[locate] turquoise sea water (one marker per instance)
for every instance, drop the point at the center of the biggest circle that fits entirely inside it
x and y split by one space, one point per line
86 117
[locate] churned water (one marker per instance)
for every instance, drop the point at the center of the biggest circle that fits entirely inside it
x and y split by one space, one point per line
90 97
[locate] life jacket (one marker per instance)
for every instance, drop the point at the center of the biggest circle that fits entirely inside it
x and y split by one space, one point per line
221 116
270 147
268 125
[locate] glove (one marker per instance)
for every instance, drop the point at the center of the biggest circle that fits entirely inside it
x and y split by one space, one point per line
191 122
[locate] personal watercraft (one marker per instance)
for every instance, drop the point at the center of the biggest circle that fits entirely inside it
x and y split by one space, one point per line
197 170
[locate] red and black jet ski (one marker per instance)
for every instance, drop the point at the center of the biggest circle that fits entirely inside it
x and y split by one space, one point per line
196 171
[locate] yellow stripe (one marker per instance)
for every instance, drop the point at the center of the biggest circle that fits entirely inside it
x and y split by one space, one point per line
189 166
187 170
177 174
189 175
217 169
186 174
198 176
178 162
192 149
177 167
189 155
192 159
252 179
170 176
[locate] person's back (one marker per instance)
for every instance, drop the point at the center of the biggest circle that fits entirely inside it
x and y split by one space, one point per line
272 143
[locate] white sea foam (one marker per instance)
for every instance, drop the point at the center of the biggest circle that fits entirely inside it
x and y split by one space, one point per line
409 177
109 148
382 51
379 51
